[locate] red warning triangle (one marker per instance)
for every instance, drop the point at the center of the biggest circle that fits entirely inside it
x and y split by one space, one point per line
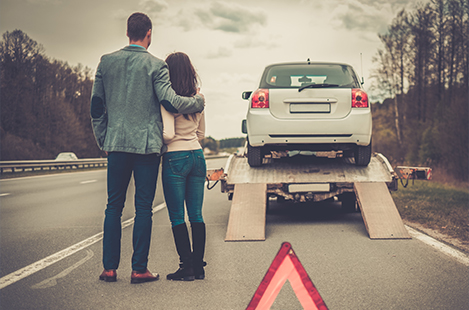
286 266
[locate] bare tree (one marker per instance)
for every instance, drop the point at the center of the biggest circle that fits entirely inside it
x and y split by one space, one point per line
18 57
423 44
424 70
44 103
441 37
394 63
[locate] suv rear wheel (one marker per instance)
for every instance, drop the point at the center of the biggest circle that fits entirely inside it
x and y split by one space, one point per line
254 156
363 155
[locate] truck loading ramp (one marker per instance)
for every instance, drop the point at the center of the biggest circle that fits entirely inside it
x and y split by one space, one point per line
250 187
382 220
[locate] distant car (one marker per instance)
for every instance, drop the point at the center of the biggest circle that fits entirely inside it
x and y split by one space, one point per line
309 106
66 156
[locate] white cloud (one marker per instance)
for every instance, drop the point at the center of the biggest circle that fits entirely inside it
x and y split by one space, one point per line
230 17
355 15
222 52
369 15
120 14
256 42
186 19
154 9
220 16
226 78
45 1
153 6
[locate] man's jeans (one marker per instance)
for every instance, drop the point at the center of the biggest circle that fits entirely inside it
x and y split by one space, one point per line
183 180
119 170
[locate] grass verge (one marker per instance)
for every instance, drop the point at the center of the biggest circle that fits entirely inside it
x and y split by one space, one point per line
436 206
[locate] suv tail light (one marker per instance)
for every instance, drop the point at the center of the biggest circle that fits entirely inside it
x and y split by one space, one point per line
260 99
359 98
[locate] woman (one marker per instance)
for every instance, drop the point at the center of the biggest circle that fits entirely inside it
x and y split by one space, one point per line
184 171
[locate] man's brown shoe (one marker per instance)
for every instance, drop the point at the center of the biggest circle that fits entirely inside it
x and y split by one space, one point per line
109 275
140 277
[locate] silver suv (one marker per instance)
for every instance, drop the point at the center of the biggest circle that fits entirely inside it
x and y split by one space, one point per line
310 106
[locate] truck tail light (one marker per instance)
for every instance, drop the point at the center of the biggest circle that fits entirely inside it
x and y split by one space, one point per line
359 98
260 99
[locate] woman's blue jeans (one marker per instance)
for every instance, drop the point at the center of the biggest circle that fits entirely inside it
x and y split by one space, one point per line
119 171
183 181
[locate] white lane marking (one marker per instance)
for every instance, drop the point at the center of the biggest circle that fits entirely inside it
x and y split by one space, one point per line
440 246
52 259
159 207
4 194
89 181
53 281
45 262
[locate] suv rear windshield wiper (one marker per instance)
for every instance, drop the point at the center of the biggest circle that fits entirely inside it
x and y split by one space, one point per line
317 86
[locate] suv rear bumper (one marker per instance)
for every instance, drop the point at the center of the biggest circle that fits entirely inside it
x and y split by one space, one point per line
264 129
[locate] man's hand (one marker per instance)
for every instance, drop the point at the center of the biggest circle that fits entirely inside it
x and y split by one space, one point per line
200 94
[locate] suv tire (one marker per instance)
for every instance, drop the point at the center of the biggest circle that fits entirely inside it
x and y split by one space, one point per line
363 155
254 156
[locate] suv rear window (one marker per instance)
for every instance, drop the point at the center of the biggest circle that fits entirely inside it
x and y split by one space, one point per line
296 76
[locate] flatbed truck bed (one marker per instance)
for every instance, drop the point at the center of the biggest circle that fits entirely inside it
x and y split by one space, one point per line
292 177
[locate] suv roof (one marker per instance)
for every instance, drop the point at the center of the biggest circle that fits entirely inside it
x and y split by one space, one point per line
307 63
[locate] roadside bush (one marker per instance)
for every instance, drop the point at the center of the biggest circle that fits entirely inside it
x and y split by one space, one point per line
430 151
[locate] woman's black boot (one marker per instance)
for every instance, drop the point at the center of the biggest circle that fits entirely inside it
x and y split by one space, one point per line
198 249
183 247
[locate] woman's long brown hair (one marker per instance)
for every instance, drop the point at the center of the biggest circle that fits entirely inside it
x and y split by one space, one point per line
182 75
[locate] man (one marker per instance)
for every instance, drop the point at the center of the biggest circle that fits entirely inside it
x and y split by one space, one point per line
129 86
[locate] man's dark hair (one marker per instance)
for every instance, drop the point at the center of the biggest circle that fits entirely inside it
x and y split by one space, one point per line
138 25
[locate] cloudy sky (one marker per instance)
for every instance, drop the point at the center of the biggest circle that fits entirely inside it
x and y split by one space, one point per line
229 42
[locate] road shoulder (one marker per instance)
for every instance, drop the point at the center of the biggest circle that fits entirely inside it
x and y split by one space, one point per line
454 242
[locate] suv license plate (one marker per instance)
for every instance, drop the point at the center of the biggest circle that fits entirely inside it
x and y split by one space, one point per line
309 187
310 108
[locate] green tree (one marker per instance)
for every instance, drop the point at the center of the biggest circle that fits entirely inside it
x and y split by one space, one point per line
232 142
211 144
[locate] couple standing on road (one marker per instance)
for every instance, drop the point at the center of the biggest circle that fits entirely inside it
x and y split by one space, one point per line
141 108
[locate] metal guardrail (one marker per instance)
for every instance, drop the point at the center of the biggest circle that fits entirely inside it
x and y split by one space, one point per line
38 165
34 165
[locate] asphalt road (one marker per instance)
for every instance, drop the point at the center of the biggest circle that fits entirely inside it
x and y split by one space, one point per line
40 216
